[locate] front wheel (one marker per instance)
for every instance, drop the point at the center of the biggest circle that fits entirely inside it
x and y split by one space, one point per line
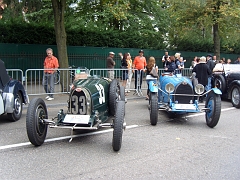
17 108
213 103
235 98
36 127
118 126
153 108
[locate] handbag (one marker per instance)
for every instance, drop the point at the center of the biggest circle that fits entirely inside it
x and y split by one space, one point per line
154 72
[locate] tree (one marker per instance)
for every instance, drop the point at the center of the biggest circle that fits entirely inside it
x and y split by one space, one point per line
59 7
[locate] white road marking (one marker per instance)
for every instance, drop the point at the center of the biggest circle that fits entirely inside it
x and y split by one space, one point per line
203 113
91 133
62 138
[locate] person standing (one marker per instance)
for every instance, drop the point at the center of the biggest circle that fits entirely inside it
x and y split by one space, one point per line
180 65
125 70
202 71
110 65
130 73
165 59
50 66
211 65
151 63
139 65
237 61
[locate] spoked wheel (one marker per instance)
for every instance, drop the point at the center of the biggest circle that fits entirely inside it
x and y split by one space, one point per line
114 94
235 97
57 77
118 126
213 103
17 111
153 108
36 127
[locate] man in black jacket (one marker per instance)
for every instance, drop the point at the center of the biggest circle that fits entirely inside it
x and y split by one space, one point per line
202 73
211 65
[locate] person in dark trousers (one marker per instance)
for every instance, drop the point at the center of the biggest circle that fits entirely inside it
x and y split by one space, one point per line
211 65
139 65
50 66
202 73
110 65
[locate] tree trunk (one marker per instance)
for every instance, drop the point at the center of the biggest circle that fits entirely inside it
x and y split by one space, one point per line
216 40
61 38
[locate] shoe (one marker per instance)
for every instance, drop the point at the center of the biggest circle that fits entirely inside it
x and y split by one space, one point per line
128 91
147 98
50 99
47 97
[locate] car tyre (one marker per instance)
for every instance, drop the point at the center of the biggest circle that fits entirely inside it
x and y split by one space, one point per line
113 96
17 109
36 127
235 96
122 93
153 108
213 103
219 82
118 126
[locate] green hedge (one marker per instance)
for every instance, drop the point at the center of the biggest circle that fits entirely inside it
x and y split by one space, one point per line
25 33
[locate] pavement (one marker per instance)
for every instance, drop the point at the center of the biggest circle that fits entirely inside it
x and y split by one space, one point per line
62 99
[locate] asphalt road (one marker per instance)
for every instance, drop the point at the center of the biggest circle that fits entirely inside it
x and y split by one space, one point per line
182 148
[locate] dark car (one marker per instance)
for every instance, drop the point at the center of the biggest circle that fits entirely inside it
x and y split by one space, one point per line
13 95
228 81
176 95
94 102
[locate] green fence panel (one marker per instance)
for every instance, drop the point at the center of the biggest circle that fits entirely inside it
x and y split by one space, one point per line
30 56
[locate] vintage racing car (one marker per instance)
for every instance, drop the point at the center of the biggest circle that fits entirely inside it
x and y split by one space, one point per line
228 81
94 102
13 95
176 95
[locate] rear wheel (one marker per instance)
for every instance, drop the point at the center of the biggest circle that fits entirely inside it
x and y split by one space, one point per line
213 103
36 127
153 108
219 82
235 97
17 108
118 126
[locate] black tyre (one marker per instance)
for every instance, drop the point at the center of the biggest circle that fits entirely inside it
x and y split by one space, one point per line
118 126
57 77
36 127
122 93
219 82
235 96
213 102
153 108
17 108
114 93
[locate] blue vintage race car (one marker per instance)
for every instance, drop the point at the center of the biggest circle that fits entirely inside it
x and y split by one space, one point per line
94 102
176 95
12 95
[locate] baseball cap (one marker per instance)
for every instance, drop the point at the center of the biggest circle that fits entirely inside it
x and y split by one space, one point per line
209 55
112 53
141 51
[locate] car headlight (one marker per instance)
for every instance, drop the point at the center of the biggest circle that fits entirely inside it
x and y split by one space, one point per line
199 88
169 87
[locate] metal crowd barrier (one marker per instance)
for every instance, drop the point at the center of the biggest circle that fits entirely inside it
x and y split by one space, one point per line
16 74
32 79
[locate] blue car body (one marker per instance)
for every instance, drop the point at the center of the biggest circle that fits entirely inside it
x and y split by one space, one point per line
181 97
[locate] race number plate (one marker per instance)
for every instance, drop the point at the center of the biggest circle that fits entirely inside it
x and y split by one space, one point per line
76 119
185 106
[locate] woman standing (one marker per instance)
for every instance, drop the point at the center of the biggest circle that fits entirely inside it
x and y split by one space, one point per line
124 66
130 73
151 63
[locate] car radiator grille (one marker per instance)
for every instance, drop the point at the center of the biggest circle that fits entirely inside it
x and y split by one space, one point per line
183 88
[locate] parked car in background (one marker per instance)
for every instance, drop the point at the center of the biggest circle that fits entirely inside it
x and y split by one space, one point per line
228 81
12 95
175 94
94 102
